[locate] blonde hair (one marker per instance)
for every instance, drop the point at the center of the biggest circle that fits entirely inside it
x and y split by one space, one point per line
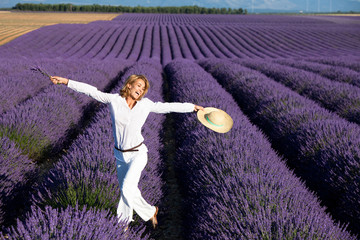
125 91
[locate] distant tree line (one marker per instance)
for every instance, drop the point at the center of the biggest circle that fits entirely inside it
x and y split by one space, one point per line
124 9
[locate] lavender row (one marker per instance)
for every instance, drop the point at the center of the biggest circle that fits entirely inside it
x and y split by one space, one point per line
35 43
208 43
174 42
259 46
271 32
129 42
119 43
37 129
321 147
335 73
27 127
191 41
236 186
282 44
70 223
245 46
15 170
134 40
146 48
86 174
342 98
230 43
186 19
212 43
166 54
42 43
19 83
348 62
284 41
41 123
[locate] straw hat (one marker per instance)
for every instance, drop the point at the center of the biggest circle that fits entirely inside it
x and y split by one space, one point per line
215 119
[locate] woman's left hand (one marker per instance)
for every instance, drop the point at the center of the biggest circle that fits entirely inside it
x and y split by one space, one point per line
197 108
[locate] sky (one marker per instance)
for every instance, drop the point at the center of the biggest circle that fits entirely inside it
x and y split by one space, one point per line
250 5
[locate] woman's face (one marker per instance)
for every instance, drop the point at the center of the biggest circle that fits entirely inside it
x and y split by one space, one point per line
137 88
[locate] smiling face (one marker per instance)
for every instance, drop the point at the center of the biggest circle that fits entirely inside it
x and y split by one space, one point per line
137 89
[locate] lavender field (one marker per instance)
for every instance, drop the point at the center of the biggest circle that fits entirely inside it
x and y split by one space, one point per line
289 168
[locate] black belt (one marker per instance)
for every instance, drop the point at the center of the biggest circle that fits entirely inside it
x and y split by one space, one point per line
133 149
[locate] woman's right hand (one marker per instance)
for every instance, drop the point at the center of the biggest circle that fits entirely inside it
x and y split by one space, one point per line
59 80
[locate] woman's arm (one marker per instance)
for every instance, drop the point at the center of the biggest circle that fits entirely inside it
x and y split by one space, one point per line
159 107
84 88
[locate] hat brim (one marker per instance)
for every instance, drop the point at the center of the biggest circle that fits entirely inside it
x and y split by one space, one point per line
226 126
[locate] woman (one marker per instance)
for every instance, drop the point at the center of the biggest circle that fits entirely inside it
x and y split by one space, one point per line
129 111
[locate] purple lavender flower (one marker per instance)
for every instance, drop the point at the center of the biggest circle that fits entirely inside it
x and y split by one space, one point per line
341 98
236 185
38 69
71 223
284 115
335 73
16 169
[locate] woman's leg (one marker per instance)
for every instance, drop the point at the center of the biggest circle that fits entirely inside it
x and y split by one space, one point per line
131 199
124 212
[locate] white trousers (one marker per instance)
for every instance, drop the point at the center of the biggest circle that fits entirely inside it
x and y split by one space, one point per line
129 166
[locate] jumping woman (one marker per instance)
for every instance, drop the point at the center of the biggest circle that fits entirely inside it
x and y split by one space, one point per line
129 111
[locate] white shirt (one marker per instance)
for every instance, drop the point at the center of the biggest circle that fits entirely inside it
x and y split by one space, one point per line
127 123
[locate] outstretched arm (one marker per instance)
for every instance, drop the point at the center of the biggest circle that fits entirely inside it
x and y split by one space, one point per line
167 107
84 88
